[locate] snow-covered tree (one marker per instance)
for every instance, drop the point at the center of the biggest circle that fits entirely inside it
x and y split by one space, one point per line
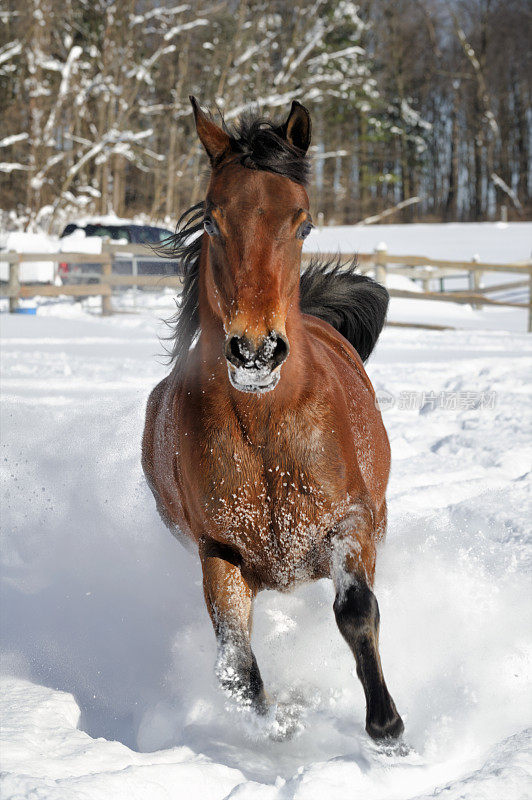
407 99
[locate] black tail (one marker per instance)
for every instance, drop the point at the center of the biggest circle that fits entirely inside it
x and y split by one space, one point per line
352 303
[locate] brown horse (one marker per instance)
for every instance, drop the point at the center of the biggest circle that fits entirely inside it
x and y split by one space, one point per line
264 445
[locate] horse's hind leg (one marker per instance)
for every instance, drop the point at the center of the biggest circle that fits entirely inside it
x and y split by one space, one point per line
357 616
229 599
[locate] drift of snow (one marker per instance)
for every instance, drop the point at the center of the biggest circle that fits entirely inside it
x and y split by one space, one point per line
22 242
495 242
108 651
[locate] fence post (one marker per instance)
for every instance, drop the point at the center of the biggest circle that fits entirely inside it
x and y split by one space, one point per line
380 263
475 280
14 281
107 270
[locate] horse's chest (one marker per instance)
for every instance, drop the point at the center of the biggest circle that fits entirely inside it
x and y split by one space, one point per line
273 502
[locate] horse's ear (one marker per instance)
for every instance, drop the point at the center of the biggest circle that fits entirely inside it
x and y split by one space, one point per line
297 128
215 140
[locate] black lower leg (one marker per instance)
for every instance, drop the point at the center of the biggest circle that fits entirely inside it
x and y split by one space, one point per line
357 617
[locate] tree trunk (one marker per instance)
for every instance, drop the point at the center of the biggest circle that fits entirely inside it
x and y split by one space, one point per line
522 145
451 204
363 169
119 185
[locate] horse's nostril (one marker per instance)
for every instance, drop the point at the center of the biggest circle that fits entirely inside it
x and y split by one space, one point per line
280 351
234 348
239 351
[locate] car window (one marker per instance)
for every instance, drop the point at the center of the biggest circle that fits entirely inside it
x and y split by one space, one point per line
112 232
121 233
147 234
161 234
137 234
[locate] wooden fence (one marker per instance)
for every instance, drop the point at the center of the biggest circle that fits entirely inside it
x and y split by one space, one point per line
419 268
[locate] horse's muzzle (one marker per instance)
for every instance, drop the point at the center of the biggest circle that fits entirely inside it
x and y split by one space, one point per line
256 368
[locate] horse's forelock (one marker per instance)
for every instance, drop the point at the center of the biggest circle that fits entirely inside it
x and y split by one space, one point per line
260 144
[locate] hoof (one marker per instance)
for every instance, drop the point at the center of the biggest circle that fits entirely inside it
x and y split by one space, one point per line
389 729
261 704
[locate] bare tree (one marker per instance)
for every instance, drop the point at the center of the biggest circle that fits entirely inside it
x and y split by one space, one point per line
410 99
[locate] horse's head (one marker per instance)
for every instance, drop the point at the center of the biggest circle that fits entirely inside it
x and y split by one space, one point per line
256 218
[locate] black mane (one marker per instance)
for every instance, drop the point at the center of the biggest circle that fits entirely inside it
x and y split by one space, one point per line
185 247
352 303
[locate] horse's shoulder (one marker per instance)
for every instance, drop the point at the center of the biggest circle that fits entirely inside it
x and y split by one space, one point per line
158 407
155 396
163 395
334 340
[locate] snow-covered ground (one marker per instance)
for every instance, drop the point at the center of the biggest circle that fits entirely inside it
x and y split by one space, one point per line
108 652
491 242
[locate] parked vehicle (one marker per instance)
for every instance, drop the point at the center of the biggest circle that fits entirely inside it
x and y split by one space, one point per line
87 237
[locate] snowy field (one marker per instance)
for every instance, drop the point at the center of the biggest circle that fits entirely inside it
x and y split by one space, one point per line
108 652
492 242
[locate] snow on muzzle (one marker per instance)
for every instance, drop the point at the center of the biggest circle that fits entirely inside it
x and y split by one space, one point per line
256 368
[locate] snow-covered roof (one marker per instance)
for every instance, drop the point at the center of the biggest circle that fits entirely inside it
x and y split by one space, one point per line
104 219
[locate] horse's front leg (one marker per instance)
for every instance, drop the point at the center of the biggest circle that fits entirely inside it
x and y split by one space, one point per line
357 616
229 599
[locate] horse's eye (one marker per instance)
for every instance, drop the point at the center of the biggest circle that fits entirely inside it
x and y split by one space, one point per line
304 229
210 226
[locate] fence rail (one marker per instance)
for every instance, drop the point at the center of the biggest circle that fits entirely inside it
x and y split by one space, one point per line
419 268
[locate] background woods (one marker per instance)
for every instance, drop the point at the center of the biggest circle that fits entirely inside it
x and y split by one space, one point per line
417 100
